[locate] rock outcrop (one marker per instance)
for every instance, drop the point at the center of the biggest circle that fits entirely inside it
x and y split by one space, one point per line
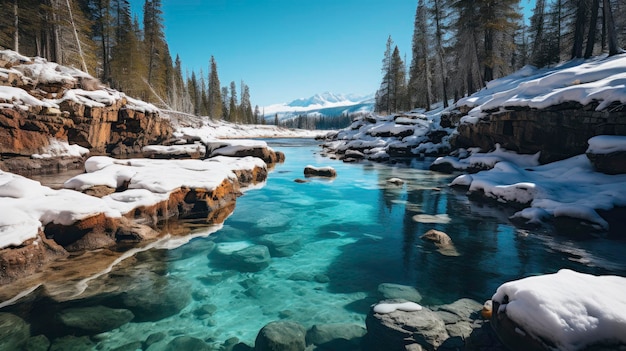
559 132
45 101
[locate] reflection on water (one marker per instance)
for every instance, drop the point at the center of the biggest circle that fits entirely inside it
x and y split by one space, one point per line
330 243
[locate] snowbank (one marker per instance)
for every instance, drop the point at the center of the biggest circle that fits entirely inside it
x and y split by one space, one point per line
210 130
568 188
606 144
60 148
570 309
601 80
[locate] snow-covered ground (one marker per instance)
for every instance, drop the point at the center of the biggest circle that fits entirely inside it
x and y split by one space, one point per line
325 104
571 310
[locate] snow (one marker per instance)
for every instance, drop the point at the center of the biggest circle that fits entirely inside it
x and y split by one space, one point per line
19 97
385 308
316 102
16 227
570 188
60 148
570 309
606 144
601 80
185 149
490 159
13 57
210 130
232 147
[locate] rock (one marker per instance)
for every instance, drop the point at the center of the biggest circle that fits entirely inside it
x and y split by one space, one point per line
396 330
281 245
72 343
395 181
252 259
13 331
301 181
335 336
94 320
610 163
155 297
442 241
397 291
559 132
466 309
487 309
281 336
327 172
154 338
36 343
132 346
187 343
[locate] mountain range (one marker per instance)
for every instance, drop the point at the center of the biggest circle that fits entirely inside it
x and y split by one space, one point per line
321 105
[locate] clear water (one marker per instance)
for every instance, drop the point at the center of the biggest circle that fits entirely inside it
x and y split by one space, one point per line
355 232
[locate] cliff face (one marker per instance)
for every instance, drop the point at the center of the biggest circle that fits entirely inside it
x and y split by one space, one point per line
41 100
559 132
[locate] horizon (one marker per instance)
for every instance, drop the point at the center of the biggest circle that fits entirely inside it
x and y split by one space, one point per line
280 55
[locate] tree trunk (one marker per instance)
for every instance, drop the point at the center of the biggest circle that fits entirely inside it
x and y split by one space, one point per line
80 50
579 30
488 64
591 38
16 22
610 28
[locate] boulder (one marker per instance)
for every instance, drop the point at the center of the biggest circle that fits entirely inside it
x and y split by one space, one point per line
153 297
397 330
281 245
94 320
187 343
336 336
442 241
609 163
36 343
281 336
466 309
72 343
13 331
251 259
327 172
396 291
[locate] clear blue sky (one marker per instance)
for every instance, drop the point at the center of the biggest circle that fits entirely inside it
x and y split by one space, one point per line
288 49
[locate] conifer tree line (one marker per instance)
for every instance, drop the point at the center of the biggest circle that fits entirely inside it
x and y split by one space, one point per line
104 39
460 45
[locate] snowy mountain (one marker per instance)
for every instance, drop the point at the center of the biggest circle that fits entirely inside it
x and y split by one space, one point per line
321 105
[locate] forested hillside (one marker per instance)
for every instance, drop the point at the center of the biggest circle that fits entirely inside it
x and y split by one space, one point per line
103 38
459 45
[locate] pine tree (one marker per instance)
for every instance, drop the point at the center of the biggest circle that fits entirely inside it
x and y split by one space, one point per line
233 111
420 80
383 96
225 104
245 107
397 91
215 103
438 13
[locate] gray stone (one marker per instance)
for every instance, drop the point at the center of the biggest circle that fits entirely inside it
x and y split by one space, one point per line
396 330
36 343
132 346
327 335
252 259
281 245
154 297
281 336
72 343
94 320
187 343
398 291
448 317
13 331
154 338
461 329
463 308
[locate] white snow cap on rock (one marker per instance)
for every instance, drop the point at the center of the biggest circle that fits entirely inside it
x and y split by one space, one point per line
385 308
606 144
573 310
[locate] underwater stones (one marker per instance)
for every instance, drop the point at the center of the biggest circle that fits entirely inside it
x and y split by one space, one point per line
335 337
251 259
187 343
154 297
36 343
281 336
326 172
395 181
281 245
397 291
97 319
432 219
396 330
72 343
13 331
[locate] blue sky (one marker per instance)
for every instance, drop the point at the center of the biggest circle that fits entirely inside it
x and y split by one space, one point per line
288 49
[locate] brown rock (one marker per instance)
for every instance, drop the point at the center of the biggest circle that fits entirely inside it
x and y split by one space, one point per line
611 163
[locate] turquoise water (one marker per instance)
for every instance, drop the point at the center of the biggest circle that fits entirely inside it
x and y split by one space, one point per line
336 240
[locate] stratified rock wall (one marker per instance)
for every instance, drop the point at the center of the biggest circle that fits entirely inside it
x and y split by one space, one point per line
559 132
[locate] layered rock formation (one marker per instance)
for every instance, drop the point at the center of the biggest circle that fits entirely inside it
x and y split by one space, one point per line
41 101
559 132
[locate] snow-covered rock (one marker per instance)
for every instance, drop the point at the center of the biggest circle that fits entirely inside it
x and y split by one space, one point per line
607 153
567 311
312 171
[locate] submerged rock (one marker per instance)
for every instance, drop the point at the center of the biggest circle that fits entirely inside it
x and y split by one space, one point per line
335 337
155 297
327 172
13 331
72 343
94 320
252 259
442 241
187 343
281 336
281 245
